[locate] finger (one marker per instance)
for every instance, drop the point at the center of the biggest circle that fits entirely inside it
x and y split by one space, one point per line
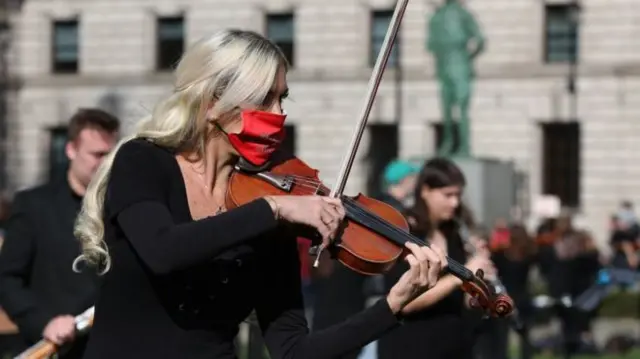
411 246
341 210
435 266
325 232
331 225
333 201
67 336
58 339
419 253
414 267
330 216
333 211
424 265
432 257
326 217
442 256
322 220
52 338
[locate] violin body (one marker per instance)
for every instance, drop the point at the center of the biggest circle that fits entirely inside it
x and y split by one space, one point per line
357 247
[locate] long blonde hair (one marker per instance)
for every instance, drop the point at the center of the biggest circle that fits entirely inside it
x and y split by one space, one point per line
236 68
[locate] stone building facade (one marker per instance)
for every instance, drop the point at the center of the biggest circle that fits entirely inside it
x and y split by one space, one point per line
584 148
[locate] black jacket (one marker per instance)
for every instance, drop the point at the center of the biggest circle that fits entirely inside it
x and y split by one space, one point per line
37 282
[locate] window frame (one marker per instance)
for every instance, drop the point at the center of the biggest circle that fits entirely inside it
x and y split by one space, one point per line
57 168
394 56
58 67
572 36
287 46
566 185
163 64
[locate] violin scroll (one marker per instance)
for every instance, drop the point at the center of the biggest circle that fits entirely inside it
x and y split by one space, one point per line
483 297
503 306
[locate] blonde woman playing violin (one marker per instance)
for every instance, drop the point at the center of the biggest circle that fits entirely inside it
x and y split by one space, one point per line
180 271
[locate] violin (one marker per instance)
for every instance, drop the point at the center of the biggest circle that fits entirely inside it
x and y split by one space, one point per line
372 237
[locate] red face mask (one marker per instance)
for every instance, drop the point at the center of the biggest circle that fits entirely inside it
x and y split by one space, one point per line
262 133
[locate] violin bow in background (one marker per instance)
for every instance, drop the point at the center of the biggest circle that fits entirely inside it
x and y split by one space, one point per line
45 349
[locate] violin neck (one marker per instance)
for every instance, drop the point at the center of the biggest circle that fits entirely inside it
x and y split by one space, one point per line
374 83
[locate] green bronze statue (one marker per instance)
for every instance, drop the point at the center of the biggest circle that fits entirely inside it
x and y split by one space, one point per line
454 40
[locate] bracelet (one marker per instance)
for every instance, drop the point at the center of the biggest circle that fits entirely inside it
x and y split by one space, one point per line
274 204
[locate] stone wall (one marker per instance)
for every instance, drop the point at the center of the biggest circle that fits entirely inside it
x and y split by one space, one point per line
514 92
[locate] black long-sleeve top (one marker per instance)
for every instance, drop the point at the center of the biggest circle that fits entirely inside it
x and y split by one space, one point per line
179 288
445 330
37 282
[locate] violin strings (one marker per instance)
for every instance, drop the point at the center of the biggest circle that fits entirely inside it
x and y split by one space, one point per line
310 183
457 268
316 185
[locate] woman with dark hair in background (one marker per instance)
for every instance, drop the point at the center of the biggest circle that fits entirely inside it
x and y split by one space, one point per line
435 323
584 269
570 264
514 263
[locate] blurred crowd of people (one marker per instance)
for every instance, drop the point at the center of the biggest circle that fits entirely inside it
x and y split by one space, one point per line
565 258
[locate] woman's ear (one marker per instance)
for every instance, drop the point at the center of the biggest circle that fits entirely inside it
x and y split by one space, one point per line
210 112
424 192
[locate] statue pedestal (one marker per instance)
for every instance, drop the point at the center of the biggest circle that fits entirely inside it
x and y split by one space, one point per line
491 188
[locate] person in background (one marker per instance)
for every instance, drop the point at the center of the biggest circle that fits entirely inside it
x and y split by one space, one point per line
572 271
584 270
627 215
500 235
38 288
437 324
514 263
623 242
399 182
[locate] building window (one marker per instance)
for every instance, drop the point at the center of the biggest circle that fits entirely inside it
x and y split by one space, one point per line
383 148
58 160
65 46
561 161
438 131
561 35
380 21
280 30
170 42
289 143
